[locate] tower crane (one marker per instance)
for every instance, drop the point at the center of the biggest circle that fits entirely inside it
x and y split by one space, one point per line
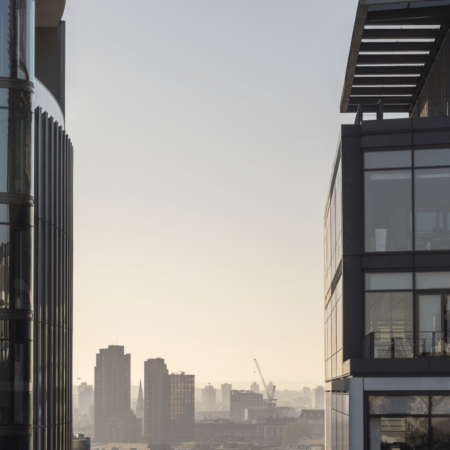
270 395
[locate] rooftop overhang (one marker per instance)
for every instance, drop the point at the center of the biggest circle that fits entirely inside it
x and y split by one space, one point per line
393 48
49 12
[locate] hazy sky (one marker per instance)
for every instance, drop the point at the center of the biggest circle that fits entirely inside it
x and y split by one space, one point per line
204 134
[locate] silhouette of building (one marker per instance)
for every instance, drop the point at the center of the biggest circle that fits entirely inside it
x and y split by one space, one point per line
182 407
226 392
254 387
208 398
140 407
242 400
319 397
113 419
307 392
156 401
85 397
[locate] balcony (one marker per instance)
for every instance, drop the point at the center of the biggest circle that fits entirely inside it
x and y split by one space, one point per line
380 345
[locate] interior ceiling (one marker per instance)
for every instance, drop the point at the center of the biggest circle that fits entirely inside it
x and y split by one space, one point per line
393 48
49 12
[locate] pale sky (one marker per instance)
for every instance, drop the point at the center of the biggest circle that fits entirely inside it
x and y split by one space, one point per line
204 135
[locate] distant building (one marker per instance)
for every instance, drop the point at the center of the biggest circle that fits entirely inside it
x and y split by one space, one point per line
140 408
85 397
211 415
271 389
307 392
315 419
271 412
113 417
255 387
224 430
157 402
319 397
182 407
208 398
80 442
226 390
270 431
242 400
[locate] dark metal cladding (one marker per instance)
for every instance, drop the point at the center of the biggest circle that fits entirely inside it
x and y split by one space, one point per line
53 259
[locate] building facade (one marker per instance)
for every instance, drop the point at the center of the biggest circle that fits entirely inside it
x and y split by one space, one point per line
208 398
226 392
140 408
157 401
387 236
242 400
113 419
319 397
36 234
85 397
182 407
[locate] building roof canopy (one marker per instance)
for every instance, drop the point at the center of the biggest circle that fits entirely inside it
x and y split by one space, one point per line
393 48
49 12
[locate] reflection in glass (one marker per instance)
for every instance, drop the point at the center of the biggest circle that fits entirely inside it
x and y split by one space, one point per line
441 433
432 280
388 281
432 157
430 323
407 404
5 383
440 404
386 160
4 266
394 433
432 209
388 211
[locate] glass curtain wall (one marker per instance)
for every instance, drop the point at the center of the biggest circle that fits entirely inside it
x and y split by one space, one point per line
407 200
334 333
409 422
337 421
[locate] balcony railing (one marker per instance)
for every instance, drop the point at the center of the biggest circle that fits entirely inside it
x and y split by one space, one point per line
373 108
407 345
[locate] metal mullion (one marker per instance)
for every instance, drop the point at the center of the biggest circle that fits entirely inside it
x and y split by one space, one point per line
389 169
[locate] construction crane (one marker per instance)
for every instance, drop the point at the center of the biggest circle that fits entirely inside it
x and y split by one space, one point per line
270 395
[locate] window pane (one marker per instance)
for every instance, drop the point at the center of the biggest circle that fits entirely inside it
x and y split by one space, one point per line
434 157
390 314
405 433
339 324
441 433
385 160
388 281
388 211
432 193
432 280
440 404
407 404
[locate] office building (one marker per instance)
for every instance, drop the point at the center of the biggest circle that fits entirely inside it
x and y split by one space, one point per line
157 402
387 236
319 397
242 400
140 408
208 398
85 397
226 391
36 163
254 387
307 392
81 442
182 407
113 419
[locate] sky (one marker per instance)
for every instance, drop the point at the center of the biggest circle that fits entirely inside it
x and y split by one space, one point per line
204 135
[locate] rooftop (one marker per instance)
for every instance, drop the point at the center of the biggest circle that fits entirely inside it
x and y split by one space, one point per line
393 48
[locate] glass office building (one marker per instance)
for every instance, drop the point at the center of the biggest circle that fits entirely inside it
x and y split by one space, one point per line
387 235
36 160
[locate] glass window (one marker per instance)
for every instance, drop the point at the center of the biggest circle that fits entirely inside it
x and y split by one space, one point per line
388 281
386 160
406 404
432 209
432 157
389 313
339 325
440 404
388 211
440 432
333 331
432 280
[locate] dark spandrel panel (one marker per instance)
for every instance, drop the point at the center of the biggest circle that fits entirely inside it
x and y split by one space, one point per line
388 211
407 404
387 160
440 404
432 157
432 209
16 442
440 432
